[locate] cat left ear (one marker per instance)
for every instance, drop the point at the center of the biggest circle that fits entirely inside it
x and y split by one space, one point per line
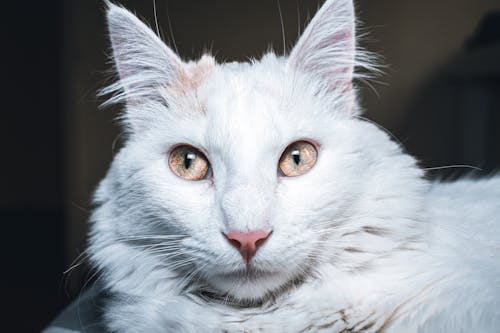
142 60
326 49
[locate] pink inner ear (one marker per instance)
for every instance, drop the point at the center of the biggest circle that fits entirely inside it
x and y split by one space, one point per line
326 50
342 71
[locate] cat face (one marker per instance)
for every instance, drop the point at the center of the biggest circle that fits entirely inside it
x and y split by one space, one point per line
200 173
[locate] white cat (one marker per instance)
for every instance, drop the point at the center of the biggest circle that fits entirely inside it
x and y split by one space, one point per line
251 197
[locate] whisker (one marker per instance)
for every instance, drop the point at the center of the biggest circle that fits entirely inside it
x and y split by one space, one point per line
282 27
454 166
382 128
171 31
156 19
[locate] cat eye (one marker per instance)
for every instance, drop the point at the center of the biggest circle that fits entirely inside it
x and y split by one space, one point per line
297 159
189 163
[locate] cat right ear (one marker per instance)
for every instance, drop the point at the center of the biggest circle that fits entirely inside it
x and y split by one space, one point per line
142 60
149 71
144 64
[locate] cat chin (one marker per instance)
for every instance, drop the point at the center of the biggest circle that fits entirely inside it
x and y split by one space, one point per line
249 287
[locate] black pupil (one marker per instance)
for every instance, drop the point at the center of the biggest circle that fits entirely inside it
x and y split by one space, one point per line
296 156
189 157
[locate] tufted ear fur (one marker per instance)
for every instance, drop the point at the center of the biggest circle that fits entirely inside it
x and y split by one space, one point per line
149 71
326 49
142 60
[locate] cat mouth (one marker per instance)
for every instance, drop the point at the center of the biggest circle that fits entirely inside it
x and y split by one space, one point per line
249 292
250 273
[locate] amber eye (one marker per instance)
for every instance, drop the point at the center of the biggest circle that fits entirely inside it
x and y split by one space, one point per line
189 163
298 158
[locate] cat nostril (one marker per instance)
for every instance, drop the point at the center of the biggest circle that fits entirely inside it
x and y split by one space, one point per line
259 242
234 243
247 243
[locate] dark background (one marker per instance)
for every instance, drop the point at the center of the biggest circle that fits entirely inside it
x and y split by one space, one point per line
440 96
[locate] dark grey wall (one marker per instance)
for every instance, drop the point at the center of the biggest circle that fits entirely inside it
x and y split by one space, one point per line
32 251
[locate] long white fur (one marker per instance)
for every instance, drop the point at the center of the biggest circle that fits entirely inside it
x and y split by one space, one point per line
361 243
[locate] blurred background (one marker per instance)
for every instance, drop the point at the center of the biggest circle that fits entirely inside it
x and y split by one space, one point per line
440 97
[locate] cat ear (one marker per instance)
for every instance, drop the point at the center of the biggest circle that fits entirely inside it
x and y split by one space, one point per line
143 62
326 49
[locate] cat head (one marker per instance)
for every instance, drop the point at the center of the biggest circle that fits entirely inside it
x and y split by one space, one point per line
244 178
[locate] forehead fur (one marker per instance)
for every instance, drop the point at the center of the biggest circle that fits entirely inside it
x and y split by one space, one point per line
194 73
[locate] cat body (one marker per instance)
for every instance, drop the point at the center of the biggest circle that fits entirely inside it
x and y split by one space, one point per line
360 242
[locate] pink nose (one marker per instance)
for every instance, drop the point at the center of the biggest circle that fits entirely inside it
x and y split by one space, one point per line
247 243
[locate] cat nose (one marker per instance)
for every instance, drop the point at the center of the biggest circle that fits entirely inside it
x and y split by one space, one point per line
247 243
